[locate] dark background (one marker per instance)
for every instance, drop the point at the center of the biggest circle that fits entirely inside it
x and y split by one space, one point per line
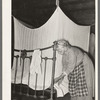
34 13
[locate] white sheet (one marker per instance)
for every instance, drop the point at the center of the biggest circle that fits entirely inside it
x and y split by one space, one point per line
58 26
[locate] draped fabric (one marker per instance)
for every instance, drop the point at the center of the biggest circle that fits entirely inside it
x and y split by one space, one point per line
57 27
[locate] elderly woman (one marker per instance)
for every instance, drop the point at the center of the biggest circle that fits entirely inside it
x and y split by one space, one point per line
80 71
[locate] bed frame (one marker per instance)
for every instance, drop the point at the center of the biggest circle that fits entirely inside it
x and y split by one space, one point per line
24 92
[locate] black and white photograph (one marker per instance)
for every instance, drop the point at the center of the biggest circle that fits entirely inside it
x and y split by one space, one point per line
53 50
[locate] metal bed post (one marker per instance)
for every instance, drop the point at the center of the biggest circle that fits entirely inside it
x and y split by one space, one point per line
35 94
23 55
29 77
53 70
43 95
15 72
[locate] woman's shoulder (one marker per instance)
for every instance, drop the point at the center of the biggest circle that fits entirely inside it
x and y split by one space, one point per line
77 50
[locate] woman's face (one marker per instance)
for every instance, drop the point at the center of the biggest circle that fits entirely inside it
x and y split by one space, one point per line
61 49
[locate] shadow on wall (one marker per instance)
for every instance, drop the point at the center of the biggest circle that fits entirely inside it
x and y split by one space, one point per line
92 44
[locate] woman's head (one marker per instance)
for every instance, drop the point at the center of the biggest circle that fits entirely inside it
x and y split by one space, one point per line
62 46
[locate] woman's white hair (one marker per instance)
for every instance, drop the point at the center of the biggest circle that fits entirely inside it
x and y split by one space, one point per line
63 42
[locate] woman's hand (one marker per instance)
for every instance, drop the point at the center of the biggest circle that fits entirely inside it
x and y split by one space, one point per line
59 79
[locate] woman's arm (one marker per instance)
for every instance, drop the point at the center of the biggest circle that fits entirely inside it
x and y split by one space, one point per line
57 79
71 60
